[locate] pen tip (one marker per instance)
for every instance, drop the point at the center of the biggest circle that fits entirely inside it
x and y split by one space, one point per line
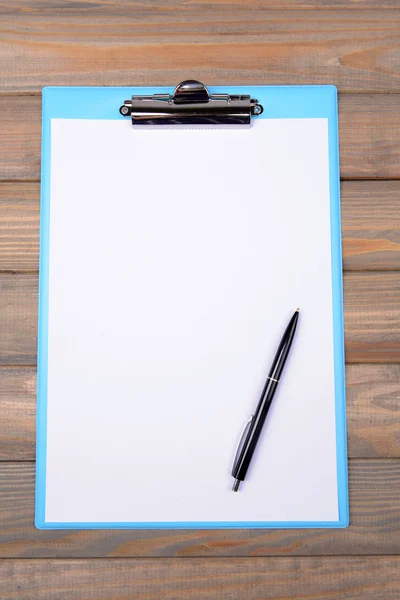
236 485
297 310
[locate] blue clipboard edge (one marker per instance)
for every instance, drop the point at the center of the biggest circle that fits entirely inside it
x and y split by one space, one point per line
279 102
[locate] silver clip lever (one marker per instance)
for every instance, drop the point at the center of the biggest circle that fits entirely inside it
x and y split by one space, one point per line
191 104
238 449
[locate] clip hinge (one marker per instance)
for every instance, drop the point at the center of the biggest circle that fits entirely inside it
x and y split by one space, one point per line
191 104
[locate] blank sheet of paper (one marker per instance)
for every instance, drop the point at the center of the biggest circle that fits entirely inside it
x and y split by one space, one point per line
177 258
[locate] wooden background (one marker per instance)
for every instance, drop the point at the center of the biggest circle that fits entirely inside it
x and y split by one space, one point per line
354 44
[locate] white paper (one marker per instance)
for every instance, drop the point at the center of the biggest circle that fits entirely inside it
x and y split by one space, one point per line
177 258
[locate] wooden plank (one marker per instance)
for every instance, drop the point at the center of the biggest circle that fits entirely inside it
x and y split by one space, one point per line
121 7
206 579
372 317
18 319
98 43
20 137
364 147
370 225
373 414
374 526
373 410
369 136
17 413
19 226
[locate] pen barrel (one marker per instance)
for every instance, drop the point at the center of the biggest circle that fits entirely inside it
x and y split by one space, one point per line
284 348
250 442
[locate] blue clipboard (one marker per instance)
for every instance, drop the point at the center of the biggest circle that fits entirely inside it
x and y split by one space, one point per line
280 102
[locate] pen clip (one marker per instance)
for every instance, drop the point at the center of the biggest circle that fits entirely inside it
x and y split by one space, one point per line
241 439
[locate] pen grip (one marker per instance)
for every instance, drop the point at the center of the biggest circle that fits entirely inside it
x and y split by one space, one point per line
250 442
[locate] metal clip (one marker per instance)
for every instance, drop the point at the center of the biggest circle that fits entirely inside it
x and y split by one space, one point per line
191 104
241 439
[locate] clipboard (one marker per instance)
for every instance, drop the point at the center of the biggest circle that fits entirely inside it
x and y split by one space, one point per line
179 230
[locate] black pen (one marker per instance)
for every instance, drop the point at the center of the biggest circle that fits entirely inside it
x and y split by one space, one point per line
245 453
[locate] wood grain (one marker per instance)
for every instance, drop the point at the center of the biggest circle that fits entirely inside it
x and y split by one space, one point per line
366 145
19 226
369 243
17 413
370 224
373 411
369 136
18 319
121 7
20 127
374 526
117 43
372 317
203 579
